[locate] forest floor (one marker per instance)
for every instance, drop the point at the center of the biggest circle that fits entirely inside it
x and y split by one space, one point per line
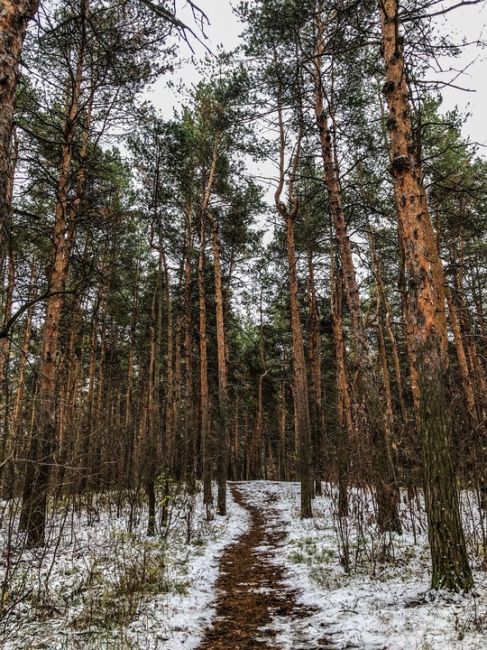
259 578
377 600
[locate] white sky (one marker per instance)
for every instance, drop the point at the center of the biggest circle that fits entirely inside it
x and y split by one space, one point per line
469 22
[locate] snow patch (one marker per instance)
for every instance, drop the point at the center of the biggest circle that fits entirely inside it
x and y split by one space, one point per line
377 605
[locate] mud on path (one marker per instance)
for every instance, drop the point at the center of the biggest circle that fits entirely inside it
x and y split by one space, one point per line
251 588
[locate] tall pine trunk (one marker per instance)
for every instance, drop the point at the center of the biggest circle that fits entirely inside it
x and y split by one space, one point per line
345 427
40 455
190 437
204 392
314 355
426 320
14 19
223 433
368 400
301 404
203 342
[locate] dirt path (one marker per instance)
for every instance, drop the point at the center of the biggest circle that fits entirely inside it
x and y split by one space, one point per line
251 589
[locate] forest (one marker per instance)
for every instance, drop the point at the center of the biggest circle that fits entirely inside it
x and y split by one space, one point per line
243 339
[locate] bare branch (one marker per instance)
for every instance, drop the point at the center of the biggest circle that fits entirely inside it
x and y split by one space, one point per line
30 303
174 20
441 12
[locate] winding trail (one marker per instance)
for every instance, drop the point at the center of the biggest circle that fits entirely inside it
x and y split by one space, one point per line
251 588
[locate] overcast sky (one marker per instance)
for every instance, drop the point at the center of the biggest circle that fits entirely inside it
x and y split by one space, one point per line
469 22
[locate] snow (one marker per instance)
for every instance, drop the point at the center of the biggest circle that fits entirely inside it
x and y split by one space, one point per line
379 604
69 592
82 590
185 617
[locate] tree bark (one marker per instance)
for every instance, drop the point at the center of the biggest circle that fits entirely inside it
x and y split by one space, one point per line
301 404
14 19
4 363
426 321
256 452
40 456
149 444
10 478
368 403
190 438
345 422
223 432
204 393
203 344
314 355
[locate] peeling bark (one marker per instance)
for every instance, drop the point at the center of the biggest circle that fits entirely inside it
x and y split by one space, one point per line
426 321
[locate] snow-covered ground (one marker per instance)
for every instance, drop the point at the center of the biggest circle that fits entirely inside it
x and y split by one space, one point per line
383 602
96 585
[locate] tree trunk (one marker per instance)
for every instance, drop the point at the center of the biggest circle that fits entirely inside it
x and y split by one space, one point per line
386 315
129 427
4 363
190 438
300 380
345 423
204 391
368 401
426 322
14 19
34 501
149 441
314 354
170 434
467 386
69 383
10 479
303 428
256 454
204 394
283 469
474 380
223 433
